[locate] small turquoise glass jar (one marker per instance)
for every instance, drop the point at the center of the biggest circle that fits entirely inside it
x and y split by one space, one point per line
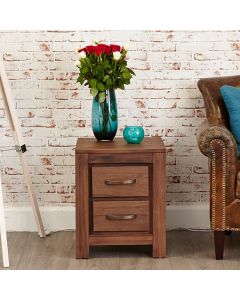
133 134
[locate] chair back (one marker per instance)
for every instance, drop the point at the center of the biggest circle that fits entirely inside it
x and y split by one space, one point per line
214 104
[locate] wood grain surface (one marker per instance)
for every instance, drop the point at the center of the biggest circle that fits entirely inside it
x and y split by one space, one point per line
159 206
120 209
82 206
132 177
118 145
131 181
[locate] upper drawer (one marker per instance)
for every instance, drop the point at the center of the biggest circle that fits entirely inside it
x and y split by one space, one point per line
122 181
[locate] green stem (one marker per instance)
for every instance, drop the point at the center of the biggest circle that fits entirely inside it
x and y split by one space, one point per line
105 116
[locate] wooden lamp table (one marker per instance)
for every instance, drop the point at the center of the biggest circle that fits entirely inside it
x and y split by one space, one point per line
120 194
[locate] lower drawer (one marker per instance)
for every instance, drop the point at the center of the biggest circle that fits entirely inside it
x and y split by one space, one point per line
121 216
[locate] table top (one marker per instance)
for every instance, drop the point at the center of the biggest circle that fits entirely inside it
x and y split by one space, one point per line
118 145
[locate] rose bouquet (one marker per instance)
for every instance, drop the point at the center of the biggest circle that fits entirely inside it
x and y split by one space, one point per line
103 67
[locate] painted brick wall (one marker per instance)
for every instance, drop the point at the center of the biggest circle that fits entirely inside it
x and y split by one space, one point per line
163 97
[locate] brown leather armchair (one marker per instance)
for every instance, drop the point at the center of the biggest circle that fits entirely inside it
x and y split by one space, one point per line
218 144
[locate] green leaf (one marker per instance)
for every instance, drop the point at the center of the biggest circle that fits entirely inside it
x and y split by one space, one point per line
124 69
93 83
126 75
88 60
131 71
109 82
101 87
106 64
94 92
84 70
105 78
124 51
99 69
80 79
101 97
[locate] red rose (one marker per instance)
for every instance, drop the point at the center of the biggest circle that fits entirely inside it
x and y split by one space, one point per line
115 48
105 48
99 49
82 49
102 48
108 50
90 49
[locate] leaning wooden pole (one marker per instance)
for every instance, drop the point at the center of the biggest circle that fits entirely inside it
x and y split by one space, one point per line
20 145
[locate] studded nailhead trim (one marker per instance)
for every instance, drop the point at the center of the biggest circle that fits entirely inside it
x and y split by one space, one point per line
227 229
214 184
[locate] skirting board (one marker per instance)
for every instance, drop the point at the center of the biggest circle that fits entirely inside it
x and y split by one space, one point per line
63 218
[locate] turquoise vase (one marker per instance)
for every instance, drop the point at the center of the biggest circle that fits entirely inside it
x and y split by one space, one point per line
133 134
105 117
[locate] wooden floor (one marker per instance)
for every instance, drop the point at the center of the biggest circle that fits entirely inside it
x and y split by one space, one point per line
185 250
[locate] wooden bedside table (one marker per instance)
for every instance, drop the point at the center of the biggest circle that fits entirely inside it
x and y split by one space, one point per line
120 194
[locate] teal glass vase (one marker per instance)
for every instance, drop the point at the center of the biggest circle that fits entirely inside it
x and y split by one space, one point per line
133 134
105 117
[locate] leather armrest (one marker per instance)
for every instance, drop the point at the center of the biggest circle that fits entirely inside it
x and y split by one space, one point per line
215 130
216 142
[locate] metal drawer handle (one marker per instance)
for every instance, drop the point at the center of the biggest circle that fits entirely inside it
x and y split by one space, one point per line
120 182
121 217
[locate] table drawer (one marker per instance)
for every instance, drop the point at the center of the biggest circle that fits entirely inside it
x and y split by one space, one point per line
121 216
122 181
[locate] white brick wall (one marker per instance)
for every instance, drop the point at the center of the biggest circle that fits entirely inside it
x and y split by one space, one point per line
163 97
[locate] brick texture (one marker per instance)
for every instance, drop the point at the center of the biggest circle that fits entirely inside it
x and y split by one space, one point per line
54 111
